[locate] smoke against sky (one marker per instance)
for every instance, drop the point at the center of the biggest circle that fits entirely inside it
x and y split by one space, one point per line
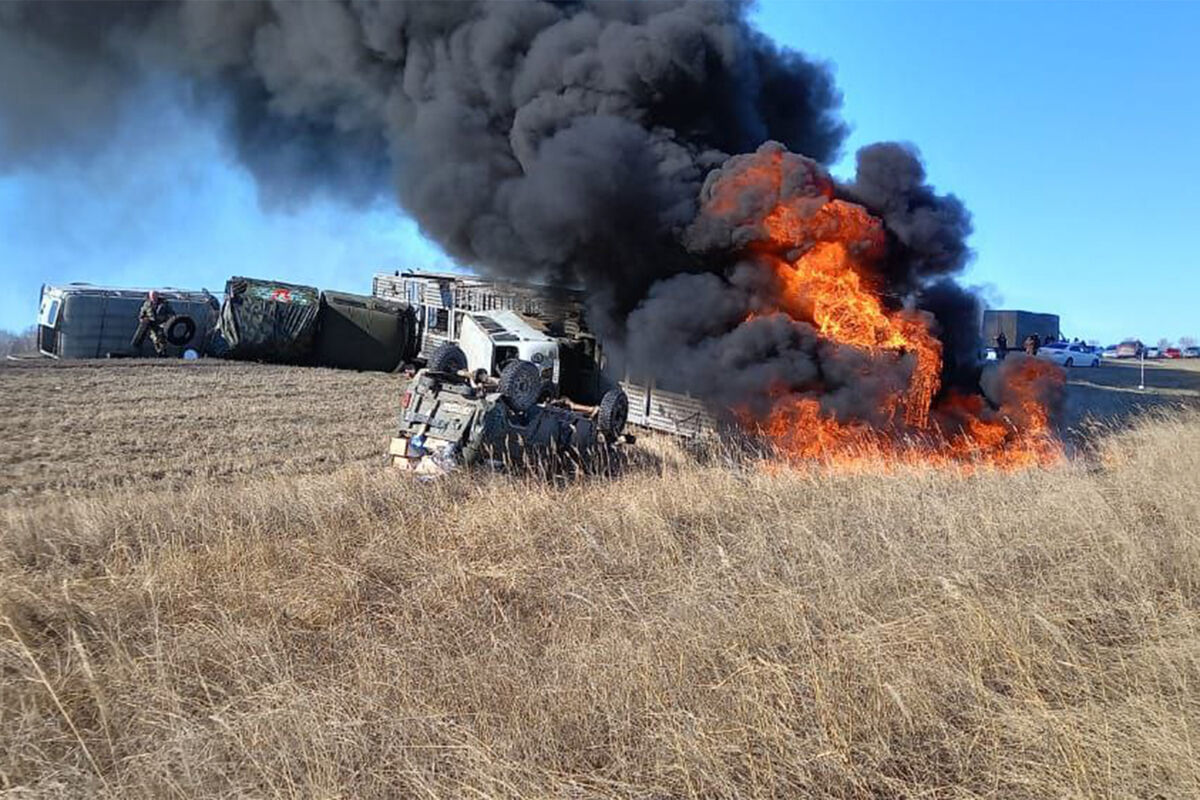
563 142
887 96
1025 110
168 203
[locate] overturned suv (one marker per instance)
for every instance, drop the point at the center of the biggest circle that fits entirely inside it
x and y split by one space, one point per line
450 417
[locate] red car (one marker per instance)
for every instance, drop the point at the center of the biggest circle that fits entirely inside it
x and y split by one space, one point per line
1172 352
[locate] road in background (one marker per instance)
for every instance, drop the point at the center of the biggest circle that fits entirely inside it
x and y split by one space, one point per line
1109 393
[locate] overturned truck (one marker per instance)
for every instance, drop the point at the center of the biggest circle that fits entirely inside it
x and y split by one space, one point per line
259 320
451 417
287 323
494 320
81 320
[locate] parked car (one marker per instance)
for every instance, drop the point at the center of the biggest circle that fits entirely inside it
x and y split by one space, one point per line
1110 352
1069 355
1152 352
1191 352
1130 348
1172 352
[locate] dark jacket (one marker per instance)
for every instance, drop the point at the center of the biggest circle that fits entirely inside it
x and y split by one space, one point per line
155 312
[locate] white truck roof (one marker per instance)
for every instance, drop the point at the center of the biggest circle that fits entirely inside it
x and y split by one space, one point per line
509 326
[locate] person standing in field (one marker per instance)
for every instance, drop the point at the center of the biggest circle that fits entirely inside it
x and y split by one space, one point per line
154 313
1001 345
1032 343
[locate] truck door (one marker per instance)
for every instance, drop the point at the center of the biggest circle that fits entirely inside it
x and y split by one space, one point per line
48 324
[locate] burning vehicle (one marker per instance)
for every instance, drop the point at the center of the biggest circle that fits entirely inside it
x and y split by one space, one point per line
665 165
489 317
452 417
842 346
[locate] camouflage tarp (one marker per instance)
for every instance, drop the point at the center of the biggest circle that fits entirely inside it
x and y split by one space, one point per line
269 320
364 333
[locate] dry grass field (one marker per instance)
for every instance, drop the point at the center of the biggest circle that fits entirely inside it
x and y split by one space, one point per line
75 428
244 604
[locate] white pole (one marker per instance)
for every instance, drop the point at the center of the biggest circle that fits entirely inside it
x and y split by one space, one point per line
1142 383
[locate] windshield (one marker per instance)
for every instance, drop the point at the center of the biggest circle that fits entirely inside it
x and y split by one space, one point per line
49 311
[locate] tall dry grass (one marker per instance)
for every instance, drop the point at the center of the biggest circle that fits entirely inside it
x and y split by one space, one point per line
690 629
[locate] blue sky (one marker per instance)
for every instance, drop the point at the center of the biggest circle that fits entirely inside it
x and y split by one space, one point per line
167 204
1070 130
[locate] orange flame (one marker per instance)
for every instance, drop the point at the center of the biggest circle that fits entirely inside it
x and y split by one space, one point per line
821 251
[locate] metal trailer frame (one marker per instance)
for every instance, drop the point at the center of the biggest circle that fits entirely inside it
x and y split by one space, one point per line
442 298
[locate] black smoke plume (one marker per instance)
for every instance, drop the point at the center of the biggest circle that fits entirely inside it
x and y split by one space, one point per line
724 336
566 142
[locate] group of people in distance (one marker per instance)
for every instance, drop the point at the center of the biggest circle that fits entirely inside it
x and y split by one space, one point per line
1032 344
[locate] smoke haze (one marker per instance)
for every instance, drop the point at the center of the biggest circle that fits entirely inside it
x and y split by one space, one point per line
562 142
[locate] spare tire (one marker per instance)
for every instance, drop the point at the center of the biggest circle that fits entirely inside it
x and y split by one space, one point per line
447 357
180 330
614 412
521 384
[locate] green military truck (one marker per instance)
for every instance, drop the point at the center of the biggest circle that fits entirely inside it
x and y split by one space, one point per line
455 307
451 416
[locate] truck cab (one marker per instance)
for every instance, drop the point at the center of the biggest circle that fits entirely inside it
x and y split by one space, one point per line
79 320
451 419
493 339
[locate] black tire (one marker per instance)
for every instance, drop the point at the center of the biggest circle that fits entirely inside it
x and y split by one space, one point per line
614 413
447 357
180 330
521 384
1095 362
1070 362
